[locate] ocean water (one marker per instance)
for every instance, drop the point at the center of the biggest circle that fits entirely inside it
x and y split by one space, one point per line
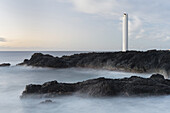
14 79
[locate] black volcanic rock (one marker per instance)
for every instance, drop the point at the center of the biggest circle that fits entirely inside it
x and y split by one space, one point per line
157 77
133 86
5 64
132 61
38 59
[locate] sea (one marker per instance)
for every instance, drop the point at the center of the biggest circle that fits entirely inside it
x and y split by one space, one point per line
13 80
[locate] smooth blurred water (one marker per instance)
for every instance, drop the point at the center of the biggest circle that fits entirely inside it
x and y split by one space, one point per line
14 79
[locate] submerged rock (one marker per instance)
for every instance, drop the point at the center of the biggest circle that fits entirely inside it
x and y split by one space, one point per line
47 102
132 61
133 86
5 64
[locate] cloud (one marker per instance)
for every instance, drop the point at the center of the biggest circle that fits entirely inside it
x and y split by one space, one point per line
145 16
100 7
167 38
2 39
135 27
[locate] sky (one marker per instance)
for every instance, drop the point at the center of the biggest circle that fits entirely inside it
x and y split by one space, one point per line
83 25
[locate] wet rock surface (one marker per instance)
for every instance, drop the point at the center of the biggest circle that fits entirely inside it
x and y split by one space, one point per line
133 86
5 64
133 61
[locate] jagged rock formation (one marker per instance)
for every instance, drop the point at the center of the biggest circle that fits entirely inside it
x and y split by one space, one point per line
132 61
133 86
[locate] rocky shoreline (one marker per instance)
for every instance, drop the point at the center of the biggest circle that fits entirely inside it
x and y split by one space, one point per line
133 86
131 61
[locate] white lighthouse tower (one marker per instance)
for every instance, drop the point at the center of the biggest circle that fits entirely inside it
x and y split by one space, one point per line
125 32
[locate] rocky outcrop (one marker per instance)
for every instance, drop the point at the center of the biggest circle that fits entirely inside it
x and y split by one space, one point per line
5 64
133 86
132 61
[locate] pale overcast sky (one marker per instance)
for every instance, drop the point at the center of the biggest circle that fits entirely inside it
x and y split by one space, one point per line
83 25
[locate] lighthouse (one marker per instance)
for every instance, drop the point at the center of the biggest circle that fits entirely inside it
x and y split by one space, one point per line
125 32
